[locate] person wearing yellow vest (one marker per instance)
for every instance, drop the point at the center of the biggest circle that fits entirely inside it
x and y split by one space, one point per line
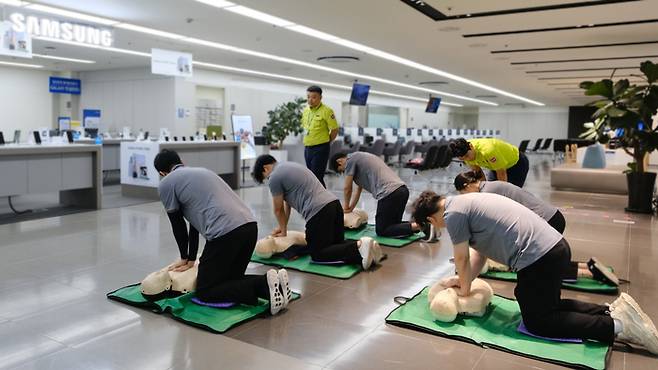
320 129
502 158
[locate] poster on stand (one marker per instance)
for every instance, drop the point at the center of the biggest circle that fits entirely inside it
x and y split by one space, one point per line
137 163
243 131
15 44
171 63
91 118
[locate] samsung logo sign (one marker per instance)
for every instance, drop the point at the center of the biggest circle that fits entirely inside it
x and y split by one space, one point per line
66 31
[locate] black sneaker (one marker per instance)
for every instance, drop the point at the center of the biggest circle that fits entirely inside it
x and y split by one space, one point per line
602 272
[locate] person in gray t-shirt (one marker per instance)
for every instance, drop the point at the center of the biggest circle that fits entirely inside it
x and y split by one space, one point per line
295 186
210 206
369 172
501 229
470 182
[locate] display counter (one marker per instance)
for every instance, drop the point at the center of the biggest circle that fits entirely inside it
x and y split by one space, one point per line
140 179
111 152
72 170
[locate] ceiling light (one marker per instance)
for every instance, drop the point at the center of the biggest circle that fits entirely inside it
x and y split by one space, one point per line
379 53
255 14
20 65
64 59
150 31
13 2
217 3
117 50
71 14
311 32
307 81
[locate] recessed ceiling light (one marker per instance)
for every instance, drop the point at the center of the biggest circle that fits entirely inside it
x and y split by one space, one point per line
486 96
150 31
63 58
338 59
429 83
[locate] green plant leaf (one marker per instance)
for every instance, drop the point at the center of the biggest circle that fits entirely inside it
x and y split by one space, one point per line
601 88
620 88
615 112
650 70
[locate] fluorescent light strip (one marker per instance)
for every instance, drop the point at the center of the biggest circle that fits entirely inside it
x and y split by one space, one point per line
117 50
217 3
264 17
64 59
20 65
227 5
13 3
297 79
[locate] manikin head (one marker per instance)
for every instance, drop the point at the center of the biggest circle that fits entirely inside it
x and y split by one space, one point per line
263 168
462 149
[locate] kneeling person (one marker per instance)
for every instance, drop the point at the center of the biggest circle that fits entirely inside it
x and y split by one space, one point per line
370 172
294 186
505 231
203 199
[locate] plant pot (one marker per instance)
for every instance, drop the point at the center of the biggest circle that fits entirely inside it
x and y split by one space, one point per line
640 191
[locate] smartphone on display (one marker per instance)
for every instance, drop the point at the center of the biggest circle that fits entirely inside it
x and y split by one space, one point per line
191 138
183 137
69 137
175 138
205 137
2 138
37 137
166 138
146 135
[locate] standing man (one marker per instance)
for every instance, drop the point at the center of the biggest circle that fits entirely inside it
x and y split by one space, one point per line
321 128
505 160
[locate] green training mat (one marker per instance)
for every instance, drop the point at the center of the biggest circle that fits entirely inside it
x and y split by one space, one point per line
304 264
216 320
369 230
497 329
583 284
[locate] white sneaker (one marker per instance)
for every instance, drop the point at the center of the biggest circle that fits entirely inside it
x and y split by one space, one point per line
377 253
638 327
276 298
284 284
366 252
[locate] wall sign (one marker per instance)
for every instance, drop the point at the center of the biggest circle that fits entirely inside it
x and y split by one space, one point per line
67 31
61 85
171 63
13 43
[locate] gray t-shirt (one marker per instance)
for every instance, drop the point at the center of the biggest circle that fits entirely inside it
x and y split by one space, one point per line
207 202
499 228
372 174
506 189
300 188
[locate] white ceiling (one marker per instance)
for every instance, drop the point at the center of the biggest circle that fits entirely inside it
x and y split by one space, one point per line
391 26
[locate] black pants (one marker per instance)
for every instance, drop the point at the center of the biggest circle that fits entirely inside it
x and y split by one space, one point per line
317 157
222 265
388 221
325 237
517 173
558 222
545 313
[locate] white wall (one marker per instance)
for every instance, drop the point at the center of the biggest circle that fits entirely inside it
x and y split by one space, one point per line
417 118
25 102
518 124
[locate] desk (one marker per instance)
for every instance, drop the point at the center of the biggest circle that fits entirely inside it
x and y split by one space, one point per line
140 179
72 170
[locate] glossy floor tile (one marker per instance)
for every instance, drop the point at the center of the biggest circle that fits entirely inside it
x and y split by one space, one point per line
54 274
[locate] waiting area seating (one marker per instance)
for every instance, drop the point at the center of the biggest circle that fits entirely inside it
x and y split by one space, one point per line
571 176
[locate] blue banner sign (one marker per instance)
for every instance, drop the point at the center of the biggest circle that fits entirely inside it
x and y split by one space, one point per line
61 85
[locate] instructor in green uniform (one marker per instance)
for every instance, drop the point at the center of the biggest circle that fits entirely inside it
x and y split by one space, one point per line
320 129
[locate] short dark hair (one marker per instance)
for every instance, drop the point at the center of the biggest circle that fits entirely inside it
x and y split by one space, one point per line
333 162
426 205
166 160
315 89
465 178
259 167
459 147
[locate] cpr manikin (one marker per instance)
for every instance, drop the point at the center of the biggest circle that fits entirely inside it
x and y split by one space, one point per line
271 245
445 304
355 219
166 283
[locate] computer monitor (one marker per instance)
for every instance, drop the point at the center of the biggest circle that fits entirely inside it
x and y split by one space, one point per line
440 132
379 131
431 132
419 132
361 131
433 105
37 137
359 94
449 131
458 132
410 131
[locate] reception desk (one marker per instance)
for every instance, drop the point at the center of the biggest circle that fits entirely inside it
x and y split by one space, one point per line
72 170
140 179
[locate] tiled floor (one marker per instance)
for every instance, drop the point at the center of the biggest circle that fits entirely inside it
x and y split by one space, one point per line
54 274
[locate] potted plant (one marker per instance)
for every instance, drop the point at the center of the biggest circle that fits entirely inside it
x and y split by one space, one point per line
284 120
628 110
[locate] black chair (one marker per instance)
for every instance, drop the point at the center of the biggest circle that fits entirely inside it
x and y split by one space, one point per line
427 161
392 150
537 145
524 146
547 144
407 149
